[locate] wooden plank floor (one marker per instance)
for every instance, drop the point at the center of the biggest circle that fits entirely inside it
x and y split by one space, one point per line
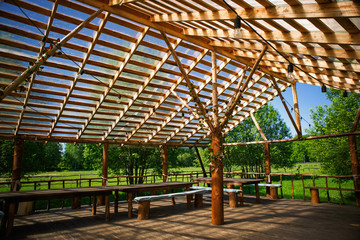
281 219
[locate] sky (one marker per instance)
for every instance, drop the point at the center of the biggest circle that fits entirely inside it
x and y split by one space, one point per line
309 96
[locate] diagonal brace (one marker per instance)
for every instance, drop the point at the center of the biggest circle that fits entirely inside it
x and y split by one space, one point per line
243 88
286 107
189 84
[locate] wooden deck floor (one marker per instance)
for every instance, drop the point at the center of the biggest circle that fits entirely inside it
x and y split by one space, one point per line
281 219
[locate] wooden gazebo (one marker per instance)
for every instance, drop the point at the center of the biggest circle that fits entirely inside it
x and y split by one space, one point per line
142 72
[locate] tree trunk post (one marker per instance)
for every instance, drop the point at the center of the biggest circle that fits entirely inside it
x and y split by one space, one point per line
267 166
355 167
217 195
101 199
164 155
17 162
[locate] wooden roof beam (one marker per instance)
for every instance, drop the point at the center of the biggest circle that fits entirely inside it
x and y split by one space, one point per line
314 51
346 9
113 81
243 88
310 37
81 69
189 84
31 84
202 87
45 57
168 93
142 89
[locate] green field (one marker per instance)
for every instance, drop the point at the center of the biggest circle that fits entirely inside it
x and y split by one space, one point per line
81 179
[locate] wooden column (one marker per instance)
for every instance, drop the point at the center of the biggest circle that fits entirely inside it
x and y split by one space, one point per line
101 199
165 163
267 166
217 196
17 162
354 159
296 108
355 167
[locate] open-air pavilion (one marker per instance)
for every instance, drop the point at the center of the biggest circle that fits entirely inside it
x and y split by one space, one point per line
143 72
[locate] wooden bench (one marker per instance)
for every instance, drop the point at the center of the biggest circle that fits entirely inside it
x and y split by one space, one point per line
144 201
273 189
314 192
232 194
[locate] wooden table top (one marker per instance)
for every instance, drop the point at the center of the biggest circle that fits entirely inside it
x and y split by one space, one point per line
150 186
48 194
234 181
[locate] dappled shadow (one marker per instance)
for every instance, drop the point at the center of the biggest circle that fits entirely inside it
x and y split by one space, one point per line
270 219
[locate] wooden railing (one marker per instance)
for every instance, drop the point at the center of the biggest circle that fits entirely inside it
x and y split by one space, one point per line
294 182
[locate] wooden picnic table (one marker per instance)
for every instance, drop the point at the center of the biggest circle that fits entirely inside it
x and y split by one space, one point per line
231 182
13 198
147 187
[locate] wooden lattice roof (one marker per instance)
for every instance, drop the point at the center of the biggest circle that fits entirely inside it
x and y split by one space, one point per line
75 97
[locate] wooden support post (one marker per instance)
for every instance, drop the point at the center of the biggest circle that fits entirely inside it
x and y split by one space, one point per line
17 162
94 205
217 194
165 163
198 200
129 199
76 203
296 108
116 202
267 166
355 167
189 198
201 163
101 199
107 208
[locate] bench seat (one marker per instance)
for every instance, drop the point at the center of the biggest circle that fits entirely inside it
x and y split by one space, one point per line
144 201
233 200
273 189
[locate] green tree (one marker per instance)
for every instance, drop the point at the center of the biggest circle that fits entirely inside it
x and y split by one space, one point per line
250 157
73 157
133 161
6 156
333 153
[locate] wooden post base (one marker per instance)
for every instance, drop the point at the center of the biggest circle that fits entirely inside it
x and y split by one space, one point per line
144 210
76 203
314 195
233 200
189 198
198 200
274 193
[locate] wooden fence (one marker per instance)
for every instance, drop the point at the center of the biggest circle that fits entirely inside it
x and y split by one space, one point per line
286 179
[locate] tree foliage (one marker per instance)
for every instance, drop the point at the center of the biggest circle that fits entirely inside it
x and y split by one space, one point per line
333 153
250 157
37 156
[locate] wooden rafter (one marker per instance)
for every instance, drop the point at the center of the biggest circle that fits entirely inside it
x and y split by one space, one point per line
81 69
243 88
192 67
146 83
312 37
339 10
112 84
45 56
192 91
31 84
